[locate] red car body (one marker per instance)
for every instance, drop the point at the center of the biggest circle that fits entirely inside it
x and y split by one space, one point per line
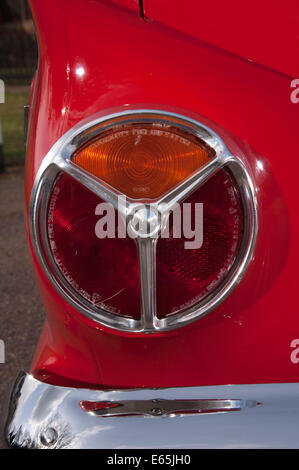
133 60
233 67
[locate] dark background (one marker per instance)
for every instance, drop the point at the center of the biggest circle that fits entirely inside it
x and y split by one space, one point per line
21 311
18 50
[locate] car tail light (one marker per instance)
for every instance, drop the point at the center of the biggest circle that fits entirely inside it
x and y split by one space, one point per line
143 161
146 165
103 272
192 274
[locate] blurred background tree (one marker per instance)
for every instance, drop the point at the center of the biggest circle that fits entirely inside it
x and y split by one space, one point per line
18 49
18 62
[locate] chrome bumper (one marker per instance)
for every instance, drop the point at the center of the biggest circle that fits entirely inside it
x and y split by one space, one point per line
231 416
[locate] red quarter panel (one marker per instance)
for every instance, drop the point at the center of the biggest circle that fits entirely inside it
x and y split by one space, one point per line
130 61
266 32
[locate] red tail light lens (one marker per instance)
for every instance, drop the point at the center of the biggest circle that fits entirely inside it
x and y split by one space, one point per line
190 275
104 272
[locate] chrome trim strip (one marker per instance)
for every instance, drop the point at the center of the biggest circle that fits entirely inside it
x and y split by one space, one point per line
59 159
162 407
244 416
147 264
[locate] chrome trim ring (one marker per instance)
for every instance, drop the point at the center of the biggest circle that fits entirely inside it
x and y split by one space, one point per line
59 160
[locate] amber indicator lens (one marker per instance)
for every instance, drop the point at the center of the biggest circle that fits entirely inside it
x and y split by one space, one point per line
144 161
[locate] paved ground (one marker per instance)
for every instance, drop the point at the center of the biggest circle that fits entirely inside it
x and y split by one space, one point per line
21 311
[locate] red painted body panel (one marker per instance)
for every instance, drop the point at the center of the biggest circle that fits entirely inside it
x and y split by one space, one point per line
266 32
129 4
130 61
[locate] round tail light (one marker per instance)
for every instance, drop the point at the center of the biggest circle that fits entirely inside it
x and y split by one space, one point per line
144 165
